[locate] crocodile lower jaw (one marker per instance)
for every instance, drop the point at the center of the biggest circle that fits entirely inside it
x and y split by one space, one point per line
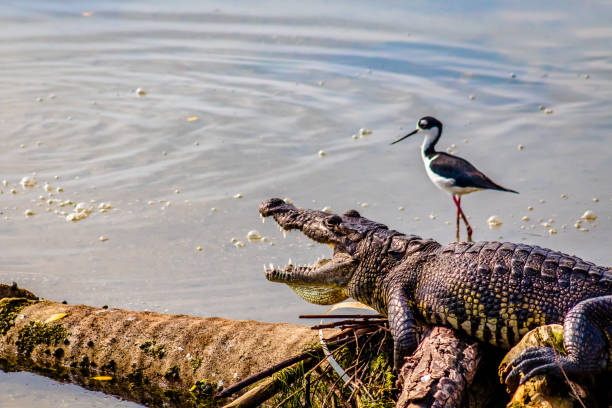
271 270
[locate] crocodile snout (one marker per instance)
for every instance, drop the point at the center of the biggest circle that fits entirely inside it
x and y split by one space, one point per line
277 275
271 206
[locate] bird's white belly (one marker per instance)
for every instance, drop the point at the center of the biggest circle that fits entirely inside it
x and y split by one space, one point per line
447 184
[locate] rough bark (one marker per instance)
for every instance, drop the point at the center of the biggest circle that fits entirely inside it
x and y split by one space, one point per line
439 371
147 357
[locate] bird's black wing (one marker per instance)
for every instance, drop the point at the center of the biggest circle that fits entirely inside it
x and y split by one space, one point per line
463 172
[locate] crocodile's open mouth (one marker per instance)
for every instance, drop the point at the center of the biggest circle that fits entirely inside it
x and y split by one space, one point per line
324 281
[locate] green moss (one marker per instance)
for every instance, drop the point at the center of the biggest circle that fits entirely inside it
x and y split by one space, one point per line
204 389
196 362
290 394
173 395
35 333
557 339
9 310
110 366
152 349
173 373
370 362
137 376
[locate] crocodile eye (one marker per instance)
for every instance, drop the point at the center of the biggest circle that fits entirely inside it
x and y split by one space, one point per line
333 220
352 213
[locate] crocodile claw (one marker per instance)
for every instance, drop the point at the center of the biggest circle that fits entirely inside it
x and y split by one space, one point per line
536 361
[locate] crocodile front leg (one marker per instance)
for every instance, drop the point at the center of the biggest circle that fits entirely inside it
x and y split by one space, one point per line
587 337
403 326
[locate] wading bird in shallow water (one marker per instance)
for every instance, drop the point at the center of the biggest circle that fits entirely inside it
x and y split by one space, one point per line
450 173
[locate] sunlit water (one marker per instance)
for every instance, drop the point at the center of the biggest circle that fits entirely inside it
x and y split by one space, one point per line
271 85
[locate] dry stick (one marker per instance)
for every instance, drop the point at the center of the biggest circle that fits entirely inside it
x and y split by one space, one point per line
359 350
344 316
269 371
356 344
335 337
319 379
333 389
355 380
315 368
342 323
365 366
256 377
307 391
358 380
320 374
268 388
263 374
355 366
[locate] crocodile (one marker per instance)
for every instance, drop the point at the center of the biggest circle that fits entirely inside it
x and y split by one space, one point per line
493 291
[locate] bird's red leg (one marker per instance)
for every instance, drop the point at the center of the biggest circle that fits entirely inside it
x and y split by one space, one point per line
467 224
458 219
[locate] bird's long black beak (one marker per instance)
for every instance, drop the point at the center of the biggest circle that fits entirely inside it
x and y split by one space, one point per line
403 137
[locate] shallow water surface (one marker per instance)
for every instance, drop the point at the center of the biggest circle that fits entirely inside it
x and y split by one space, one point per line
240 100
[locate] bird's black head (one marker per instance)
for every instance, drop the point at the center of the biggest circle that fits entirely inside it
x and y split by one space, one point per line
425 125
428 122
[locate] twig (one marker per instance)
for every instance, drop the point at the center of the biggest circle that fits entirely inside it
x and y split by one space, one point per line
269 371
344 316
265 373
307 391
333 389
343 323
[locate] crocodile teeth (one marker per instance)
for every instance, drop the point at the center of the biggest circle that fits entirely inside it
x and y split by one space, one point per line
263 220
271 266
290 262
284 233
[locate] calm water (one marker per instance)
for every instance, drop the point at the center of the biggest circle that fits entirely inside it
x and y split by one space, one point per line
271 85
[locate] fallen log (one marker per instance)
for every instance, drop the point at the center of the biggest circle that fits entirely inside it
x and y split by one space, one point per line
151 358
440 371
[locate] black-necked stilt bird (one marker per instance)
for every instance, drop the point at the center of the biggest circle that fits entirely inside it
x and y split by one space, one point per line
450 173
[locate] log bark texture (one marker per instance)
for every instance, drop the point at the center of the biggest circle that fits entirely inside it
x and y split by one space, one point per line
152 358
440 370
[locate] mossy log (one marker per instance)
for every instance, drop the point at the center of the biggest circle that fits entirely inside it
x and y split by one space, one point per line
152 358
